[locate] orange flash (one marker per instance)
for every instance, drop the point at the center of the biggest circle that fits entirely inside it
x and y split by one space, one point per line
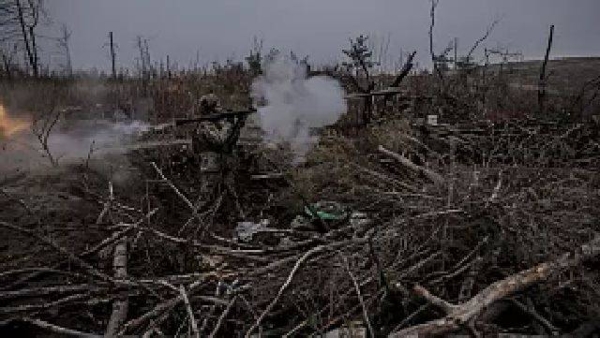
10 126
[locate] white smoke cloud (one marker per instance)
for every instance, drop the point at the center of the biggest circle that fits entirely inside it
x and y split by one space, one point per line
104 137
68 144
295 104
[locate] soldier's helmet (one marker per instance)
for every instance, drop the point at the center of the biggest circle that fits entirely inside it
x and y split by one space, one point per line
209 103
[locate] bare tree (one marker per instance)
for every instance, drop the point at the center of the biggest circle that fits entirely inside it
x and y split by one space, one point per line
8 54
29 18
143 62
360 64
42 127
63 42
19 21
9 27
254 59
434 57
484 37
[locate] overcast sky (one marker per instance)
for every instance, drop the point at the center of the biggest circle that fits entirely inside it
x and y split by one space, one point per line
220 29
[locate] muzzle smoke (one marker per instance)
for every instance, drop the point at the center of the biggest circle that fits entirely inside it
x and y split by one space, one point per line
68 142
296 105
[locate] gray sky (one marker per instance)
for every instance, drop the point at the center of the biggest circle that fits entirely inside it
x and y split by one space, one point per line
218 29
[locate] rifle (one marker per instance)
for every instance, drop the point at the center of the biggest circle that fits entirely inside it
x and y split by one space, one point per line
216 117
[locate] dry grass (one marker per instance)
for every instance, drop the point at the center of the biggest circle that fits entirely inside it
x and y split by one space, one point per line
514 194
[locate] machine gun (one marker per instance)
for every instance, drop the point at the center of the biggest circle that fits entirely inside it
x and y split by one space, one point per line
216 117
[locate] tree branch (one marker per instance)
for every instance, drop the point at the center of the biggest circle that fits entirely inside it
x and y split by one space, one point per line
459 315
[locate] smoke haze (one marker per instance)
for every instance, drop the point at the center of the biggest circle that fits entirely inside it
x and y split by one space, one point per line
21 151
296 104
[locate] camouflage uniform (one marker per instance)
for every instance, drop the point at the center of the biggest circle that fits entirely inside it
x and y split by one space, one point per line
212 142
210 136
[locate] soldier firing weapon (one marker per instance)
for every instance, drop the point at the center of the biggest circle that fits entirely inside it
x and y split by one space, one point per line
215 142
222 132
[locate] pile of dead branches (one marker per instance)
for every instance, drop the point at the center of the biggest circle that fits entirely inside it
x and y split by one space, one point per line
436 244
527 142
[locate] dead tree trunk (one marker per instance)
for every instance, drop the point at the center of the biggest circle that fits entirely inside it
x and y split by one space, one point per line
28 31
7 67
112 56
543 78
406 68
63 42
434 58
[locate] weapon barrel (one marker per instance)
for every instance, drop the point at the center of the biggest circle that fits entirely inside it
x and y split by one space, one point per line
215 117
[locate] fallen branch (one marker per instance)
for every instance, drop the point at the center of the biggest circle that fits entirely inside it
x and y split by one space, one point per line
108 241
173 187
459 315
44 291
190 312
58 329
222 318
160 308
359 295
92 270
121 305
79 297
433 176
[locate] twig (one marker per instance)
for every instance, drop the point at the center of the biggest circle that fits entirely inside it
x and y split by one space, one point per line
211 312
359 295
162 307
481 39
43 291
108 241
41 269
584 330
18 200
530 310
188 307
58 329
283 288
411 316
60 249
222 317
467 285
43 306
173 187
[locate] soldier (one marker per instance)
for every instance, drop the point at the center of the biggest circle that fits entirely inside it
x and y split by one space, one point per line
214 142
210 136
